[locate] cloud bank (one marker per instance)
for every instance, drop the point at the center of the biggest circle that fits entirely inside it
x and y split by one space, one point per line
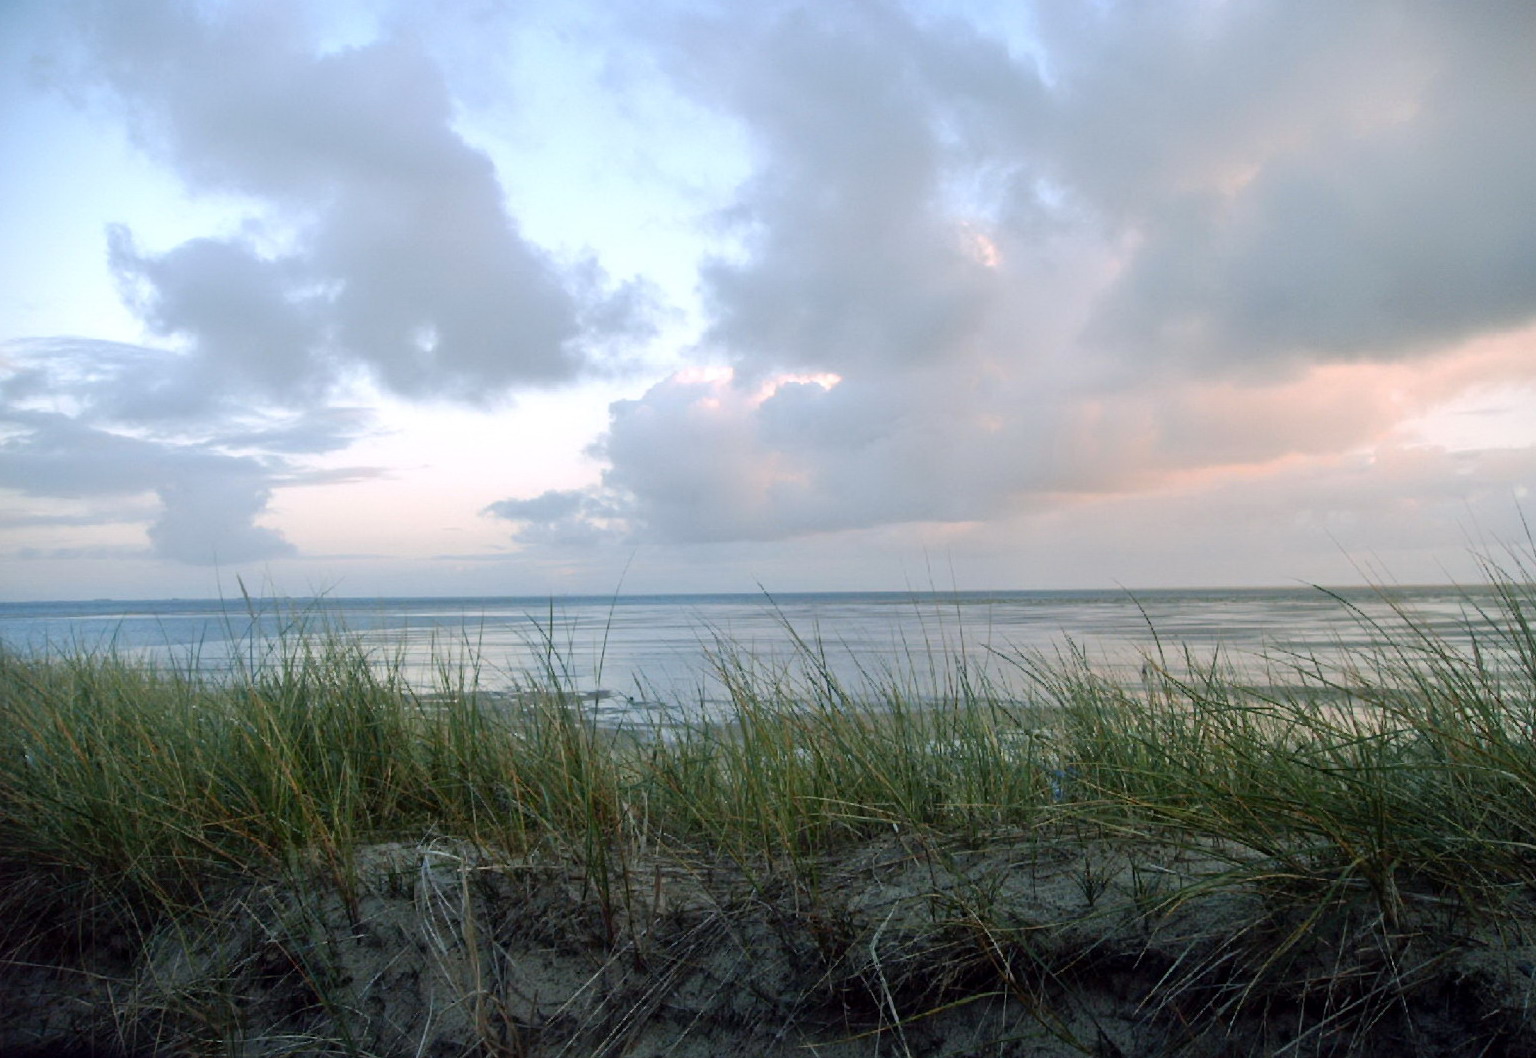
983 272
988 263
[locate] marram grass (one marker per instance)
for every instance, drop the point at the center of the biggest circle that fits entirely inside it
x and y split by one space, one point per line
1415 758
1405 772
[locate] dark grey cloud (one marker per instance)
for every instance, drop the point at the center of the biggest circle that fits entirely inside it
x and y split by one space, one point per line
381 238
51 454
707 461
1033 270
1280 182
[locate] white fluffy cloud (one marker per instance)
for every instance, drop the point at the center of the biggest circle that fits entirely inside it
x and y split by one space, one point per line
373 243
397 254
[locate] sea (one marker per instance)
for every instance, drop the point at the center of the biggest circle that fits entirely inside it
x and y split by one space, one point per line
656 658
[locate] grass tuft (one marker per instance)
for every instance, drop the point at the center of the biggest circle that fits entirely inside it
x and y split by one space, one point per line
1400 779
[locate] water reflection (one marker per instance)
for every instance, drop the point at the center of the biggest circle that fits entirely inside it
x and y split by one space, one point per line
649 657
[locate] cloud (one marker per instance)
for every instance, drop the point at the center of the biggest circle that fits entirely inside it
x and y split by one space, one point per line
1164 240
976 272
549 506
121 381
141 388
110 516
208 500
249 332
209 522
63 436
375 242
1371 205
850 260
378 239
75 554
306 432
565 517
49 454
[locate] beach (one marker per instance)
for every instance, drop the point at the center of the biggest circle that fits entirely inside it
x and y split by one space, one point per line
315 856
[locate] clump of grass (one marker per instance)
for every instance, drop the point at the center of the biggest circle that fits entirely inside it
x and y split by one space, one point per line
142 785
1413 759
130 793
1417 756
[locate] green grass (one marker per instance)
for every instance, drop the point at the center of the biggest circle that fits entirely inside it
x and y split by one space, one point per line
1405 771
1415 759
116 778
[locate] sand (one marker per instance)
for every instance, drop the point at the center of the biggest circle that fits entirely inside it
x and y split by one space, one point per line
1013 945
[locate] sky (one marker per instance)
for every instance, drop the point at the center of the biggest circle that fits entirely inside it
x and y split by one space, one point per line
462 297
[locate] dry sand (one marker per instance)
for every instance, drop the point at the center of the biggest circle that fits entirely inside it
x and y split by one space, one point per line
1021 946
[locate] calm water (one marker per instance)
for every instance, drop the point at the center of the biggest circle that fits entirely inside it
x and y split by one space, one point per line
640 655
